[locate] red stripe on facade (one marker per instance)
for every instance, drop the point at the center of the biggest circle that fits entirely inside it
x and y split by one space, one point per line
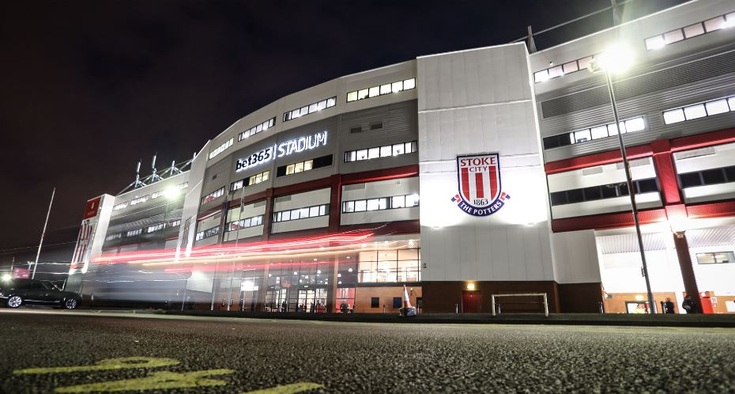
465 182
480 184
702 140
494 187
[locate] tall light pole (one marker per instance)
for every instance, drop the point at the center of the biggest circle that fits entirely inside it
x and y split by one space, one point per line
43 233
616 60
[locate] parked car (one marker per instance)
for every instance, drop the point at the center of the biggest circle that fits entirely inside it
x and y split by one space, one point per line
17 292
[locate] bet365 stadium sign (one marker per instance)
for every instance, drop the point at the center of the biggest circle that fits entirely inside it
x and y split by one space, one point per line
479 184
283 149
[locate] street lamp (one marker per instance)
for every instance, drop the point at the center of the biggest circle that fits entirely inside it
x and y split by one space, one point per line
613 61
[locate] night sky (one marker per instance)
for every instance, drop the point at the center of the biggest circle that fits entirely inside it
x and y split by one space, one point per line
91 87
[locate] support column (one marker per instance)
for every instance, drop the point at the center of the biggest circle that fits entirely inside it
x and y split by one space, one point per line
687 271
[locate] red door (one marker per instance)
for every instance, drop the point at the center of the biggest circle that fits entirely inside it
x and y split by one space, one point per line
471 302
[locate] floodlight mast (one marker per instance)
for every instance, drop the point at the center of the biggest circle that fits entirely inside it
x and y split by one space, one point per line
617 60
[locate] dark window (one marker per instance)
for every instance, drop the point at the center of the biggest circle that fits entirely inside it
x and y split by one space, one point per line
374 302
601 192
623 189
558 198
690 179
376 126
647 186
592 193
356 130
610 191
397 302
324 161
557 141
730 173
281 171
713 176
575 196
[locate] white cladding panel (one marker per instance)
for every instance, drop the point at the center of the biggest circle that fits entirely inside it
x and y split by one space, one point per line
600 175
389 188
575 257
300 224
301 200
476 102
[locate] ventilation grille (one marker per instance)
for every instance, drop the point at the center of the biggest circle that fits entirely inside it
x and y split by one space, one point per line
357 186
592 171
710 150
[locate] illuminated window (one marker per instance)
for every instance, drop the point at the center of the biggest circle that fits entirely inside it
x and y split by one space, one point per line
681 34
559 71
381 90
309 109
249 181
594 133
716 258
213 195
301 213
245 223
699 110
381 151
257 129
380 203
221 148
306 165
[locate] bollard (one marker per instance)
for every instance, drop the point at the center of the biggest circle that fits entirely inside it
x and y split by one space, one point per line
456 308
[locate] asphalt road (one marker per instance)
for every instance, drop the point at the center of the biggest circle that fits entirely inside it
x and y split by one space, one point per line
47 351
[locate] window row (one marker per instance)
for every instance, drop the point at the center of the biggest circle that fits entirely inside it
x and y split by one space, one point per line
213 195
309 109
221 148
716 258
594 133
712 176
381 151
301 213
210 232
257 129
249 181
138 200
697 29
701 110
602 192
245 223
381 203
564 69
148 230
381 90
389 271
295 168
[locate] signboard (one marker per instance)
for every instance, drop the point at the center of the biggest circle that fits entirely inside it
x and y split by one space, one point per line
90 210
478 181
283 149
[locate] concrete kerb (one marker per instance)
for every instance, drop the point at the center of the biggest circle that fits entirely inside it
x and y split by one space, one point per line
660 320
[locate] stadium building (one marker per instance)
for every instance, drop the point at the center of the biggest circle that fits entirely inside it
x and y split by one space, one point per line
463 176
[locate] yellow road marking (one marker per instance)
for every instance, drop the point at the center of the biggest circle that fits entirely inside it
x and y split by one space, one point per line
158 381
288 389
105 365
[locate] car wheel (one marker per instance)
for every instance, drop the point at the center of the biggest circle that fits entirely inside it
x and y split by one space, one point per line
70 303
15 301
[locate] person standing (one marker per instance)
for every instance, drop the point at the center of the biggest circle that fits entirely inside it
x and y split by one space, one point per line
689 305
668 306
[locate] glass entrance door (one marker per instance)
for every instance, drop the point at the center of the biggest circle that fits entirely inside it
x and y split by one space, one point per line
310 300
